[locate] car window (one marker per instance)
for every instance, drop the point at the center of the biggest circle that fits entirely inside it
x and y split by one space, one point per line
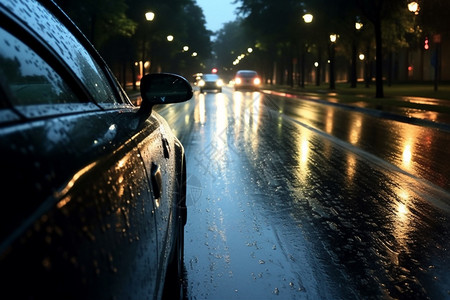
247 73
27 78
209 77
67 46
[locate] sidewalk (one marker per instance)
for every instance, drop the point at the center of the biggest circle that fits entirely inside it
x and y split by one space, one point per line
411 103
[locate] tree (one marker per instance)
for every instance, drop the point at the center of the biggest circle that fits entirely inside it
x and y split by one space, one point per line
232 40
274 25
380 12
99 20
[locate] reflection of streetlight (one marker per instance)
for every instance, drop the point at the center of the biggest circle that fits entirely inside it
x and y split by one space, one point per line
333 38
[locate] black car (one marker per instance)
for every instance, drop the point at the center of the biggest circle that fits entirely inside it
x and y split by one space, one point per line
247 80
210 82
92 187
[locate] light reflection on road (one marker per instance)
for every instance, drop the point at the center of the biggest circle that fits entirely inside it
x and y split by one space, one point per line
300 200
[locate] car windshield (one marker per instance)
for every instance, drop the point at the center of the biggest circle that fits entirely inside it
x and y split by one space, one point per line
247 74
210 77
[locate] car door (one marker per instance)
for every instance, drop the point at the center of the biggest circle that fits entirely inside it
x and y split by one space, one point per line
78 214
157 150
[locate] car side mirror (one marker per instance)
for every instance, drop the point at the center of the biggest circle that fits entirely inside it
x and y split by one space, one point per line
162 88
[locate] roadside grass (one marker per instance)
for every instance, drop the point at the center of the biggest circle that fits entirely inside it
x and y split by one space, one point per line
419 96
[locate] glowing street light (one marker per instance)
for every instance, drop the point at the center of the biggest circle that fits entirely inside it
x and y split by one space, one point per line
414 7
333 38
308 18
249 50
150 16
358 25
170 38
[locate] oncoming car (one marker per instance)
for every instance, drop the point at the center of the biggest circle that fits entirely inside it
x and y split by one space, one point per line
93 187
211 82
247 80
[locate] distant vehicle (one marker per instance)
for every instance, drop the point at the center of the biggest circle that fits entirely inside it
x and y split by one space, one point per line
197 77
247 80
211 82
93 187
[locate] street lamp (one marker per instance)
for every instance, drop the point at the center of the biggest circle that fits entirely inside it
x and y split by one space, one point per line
170 38
353 74
307 18
414 7
333 39
150 16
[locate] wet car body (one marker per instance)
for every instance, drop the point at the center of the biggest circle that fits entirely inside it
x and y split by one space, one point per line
247 80
210 82
93 187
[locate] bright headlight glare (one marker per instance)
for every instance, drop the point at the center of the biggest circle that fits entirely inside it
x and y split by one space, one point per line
257 81
201 83
219 82
238 80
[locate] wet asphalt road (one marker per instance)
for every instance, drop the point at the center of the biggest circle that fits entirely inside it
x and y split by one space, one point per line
292 199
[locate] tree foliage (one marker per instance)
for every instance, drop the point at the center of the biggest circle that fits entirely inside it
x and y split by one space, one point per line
388 26
119 29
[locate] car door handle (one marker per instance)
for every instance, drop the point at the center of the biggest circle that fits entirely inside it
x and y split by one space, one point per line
156 178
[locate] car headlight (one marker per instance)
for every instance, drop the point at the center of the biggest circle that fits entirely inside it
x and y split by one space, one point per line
238 81
257 81
201 83
219 82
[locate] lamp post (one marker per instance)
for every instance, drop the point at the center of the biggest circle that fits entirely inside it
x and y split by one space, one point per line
333 38
358 26
149 17
307 18
414 7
